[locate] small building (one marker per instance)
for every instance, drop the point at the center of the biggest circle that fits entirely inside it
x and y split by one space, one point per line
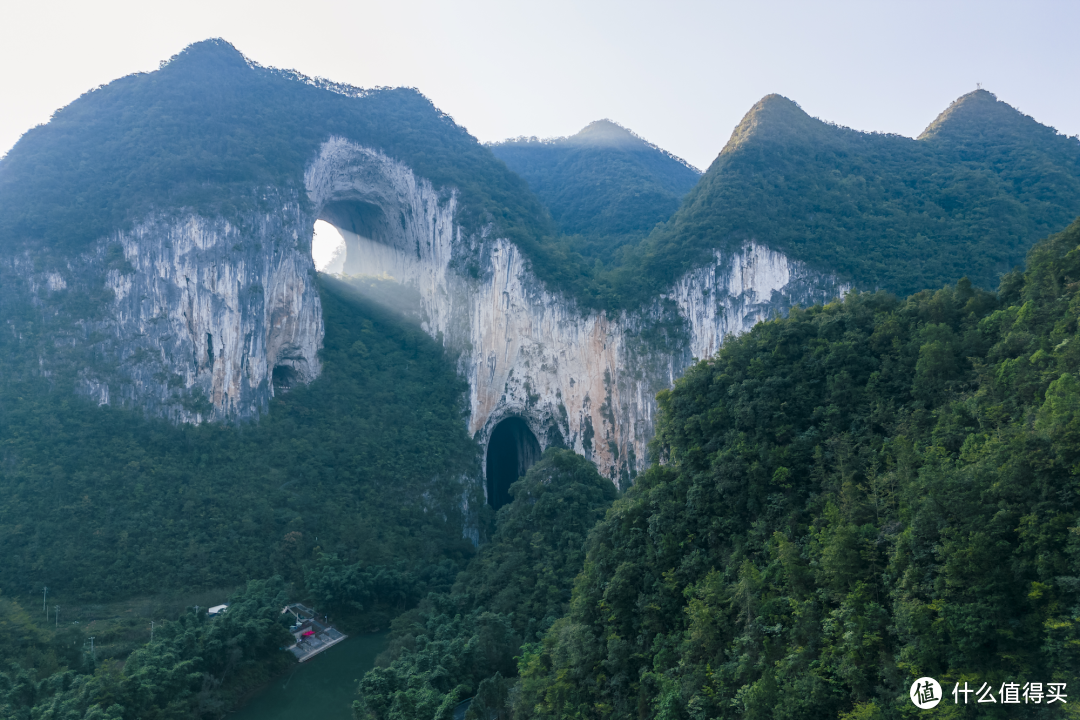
217 610
312 635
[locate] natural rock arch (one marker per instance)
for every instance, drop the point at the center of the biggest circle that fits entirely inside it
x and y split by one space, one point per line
583 378
213 316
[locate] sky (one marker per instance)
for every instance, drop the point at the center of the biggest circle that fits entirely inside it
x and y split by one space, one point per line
679 73
326 242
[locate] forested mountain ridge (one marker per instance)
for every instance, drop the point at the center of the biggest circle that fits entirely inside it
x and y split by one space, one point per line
170 212
968 198
209 130
160 227
843 501
370 462
859 492
604 183
880 210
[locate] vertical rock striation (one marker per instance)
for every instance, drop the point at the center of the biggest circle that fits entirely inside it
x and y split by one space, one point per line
226 313
580 378
206 318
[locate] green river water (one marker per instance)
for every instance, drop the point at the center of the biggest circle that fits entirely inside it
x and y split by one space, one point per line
322 688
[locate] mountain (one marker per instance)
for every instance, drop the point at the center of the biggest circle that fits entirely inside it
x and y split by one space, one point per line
967 198
180 196
842 501
603 182
210 125
831 499
156 238
349 464
156 257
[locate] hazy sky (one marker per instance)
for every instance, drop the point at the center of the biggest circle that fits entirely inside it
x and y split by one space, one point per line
680 74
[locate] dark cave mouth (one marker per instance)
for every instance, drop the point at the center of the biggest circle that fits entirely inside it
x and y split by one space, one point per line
511 451
284 377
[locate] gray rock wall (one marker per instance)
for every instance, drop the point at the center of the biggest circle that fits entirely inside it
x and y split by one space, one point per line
198 313
206 319
579 377
217 309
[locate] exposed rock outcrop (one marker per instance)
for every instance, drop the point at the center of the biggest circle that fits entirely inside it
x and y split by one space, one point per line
227 312
206 318
203 317
578 377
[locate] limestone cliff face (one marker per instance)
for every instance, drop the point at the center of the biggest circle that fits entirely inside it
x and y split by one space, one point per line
228 311
581 378
205 319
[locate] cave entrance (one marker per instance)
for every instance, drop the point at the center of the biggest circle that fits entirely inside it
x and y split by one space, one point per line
511 451
328 248
283 377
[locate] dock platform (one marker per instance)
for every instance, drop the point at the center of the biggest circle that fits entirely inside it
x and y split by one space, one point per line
312 636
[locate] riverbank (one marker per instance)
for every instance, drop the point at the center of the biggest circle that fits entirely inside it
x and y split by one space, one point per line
324 687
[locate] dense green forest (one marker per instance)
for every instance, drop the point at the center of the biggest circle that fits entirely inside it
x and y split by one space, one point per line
195 667
460 642
839 501
366 467
209 130
369 463
843 501
604 184
463 643
967 198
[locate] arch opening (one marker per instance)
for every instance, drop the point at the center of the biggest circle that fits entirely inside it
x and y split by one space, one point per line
372 239
347 225
354 238
328 248
359 217
511 451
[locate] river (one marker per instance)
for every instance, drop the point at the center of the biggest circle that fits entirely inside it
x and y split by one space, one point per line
322 688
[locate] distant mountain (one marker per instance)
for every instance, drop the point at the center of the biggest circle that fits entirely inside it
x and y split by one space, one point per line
968 197
604 181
